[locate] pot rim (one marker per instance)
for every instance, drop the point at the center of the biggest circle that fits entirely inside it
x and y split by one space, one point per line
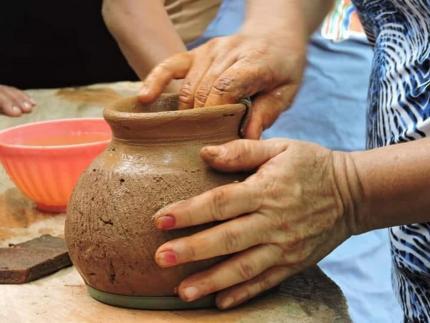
154 122
112 113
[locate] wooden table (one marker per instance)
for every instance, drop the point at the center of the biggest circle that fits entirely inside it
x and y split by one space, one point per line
61 297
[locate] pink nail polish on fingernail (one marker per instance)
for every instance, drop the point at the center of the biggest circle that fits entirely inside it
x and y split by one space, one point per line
165 222
166 258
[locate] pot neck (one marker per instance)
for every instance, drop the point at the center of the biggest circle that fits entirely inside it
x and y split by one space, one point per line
161 121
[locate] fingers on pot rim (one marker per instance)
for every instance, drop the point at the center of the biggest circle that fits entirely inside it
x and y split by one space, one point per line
175 67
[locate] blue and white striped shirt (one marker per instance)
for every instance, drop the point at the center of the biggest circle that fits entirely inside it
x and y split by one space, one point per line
399 111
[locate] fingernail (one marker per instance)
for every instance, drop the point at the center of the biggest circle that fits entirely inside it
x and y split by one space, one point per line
144 89
211 151
190 293
166 258
165 222
16 110
226 303
32 101
27 106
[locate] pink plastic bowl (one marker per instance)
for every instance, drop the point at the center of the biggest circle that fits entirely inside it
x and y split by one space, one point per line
45 159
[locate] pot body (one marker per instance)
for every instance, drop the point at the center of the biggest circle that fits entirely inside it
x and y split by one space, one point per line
109 227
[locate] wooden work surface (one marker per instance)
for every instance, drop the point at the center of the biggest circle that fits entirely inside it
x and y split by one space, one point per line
61 297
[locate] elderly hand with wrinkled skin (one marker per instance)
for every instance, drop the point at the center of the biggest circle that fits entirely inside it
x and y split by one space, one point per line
285 217
14 102
266 67
264 60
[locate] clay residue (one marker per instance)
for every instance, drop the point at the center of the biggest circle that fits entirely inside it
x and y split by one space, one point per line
17 211
102 96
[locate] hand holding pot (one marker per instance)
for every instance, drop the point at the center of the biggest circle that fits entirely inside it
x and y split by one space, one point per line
267 66
287 216
14 102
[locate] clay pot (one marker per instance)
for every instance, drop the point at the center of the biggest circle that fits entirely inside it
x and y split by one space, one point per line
153 160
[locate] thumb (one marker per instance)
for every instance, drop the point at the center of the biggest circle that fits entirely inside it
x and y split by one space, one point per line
267 107
243 154
175 67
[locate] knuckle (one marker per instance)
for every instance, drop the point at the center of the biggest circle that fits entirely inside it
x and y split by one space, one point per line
192 252
270 189
185 216
255 198
217 205
224 84
186 93
202 95
295 259
238 155
163 68
294 238
231 241
209 286
262 50
265 283
246 270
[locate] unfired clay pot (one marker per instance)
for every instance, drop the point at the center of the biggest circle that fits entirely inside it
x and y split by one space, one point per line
153 160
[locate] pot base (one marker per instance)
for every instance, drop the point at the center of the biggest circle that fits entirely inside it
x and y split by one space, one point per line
150 302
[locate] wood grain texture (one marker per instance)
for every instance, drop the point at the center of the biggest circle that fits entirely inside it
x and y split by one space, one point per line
62 297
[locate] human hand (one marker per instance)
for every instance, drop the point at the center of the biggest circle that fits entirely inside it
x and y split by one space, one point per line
266 66
14 102
287 216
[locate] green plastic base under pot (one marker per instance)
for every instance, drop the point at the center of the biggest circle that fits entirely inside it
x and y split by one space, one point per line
150 302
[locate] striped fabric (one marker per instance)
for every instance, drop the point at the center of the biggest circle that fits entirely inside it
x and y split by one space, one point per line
399 111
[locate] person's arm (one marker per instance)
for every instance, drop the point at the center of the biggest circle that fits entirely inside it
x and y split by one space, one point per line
301 203
315 12
264 60
389 186
143 31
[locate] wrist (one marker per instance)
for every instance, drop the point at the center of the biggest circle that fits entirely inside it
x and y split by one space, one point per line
350 192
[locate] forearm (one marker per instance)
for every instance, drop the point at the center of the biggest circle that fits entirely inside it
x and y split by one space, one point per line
143 31
391 185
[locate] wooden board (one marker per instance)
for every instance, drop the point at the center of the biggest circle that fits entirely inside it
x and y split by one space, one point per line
62 297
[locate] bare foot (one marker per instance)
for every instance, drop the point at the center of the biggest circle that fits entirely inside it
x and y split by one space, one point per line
14 102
